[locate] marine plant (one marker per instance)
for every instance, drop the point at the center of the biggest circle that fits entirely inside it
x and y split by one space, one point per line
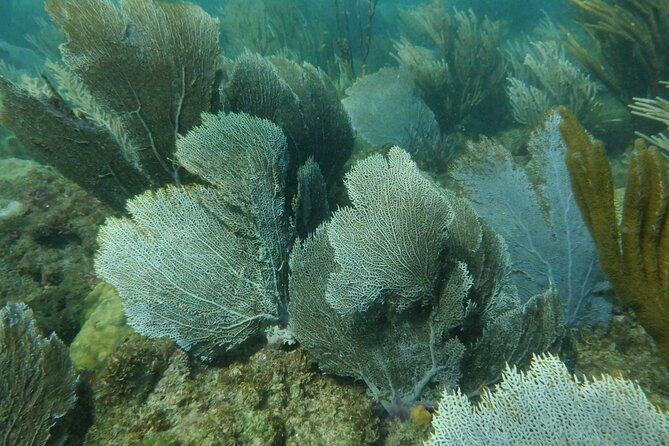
544 78
147 67
547 405
274 28
355 25
46 38
627 49
462 65
516 16
634 254
336 37
37 380
534 209
655 109
207 266
136 76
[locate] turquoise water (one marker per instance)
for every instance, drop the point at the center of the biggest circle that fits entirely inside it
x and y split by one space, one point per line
346 222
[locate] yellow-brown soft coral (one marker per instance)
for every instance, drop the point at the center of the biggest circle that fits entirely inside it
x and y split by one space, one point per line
634 255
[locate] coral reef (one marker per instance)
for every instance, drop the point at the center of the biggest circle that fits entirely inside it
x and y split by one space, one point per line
634 256
274 303
129 373
206 266
625 350
104 330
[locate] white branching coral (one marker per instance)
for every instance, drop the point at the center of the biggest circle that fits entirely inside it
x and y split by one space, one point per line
548 406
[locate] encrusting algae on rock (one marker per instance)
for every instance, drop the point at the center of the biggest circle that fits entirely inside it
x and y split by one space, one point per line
273 398
103 331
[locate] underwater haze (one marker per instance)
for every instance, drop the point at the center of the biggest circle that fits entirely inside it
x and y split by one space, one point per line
334 222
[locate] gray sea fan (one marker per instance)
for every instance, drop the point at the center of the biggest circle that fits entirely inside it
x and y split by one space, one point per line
37 380
206 266
534 210
310 203
386 109
246 159
397 360
548 406
302 101
390 239
407 286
